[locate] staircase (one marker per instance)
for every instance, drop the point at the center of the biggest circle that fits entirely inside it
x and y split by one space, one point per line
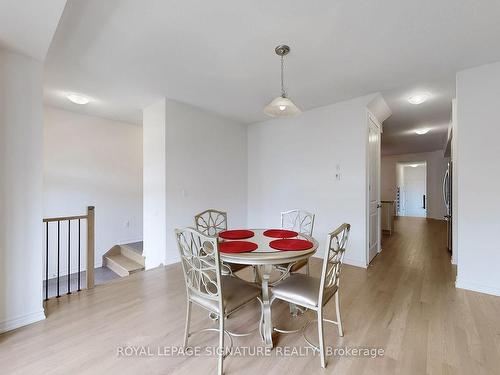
124 259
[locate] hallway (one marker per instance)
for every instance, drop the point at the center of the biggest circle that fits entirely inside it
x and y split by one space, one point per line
405 303
431 326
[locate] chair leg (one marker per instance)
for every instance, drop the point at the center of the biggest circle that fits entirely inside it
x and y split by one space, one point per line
339 320
220 370
321 338
188 321
294 310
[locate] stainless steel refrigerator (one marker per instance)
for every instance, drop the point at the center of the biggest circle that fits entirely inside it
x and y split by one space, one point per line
447 196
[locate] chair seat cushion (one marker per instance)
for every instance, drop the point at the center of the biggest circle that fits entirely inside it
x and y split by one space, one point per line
235 293
302 290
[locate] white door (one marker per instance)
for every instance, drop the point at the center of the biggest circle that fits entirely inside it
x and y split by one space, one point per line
415 189
373 189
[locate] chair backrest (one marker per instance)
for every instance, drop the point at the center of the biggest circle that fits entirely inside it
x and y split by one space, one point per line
211 222
200 263
299 221
332 262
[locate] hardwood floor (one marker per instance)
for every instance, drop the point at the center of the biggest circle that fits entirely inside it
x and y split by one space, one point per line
405 303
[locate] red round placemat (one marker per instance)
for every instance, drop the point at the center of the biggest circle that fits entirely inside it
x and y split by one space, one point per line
236 234
280 233
291 244
237 246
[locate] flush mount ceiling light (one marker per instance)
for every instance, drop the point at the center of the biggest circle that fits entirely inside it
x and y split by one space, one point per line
282 106
422 131
78 98
414 165
418 98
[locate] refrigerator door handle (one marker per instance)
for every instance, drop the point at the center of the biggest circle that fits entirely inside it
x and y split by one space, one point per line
445 189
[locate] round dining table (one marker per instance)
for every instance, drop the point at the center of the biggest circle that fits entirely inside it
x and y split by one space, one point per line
263 253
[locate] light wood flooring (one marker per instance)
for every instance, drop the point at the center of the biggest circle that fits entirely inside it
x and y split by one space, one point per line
405 303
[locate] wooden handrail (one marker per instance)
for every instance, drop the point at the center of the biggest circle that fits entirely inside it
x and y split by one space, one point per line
64 218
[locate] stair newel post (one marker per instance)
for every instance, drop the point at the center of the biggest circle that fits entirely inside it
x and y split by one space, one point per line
90 246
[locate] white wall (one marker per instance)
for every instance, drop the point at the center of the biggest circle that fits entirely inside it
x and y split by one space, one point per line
477 160
154 180
292 164
206 167
91 161
436 168
21 143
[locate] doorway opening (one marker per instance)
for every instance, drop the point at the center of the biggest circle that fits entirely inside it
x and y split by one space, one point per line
411 194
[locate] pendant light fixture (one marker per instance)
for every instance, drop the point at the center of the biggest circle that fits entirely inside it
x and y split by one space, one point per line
282 106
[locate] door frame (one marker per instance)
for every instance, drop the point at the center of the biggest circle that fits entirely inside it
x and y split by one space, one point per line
371 117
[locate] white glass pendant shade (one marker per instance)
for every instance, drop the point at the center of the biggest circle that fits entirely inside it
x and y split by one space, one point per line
282 107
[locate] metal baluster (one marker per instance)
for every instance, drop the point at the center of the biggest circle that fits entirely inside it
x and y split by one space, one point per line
58 253
79 255
46 261
69 257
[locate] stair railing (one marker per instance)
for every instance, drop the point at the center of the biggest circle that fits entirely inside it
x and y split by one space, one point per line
89 217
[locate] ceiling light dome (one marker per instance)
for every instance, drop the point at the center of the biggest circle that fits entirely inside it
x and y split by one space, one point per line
282 106
422 131
78 98
418 98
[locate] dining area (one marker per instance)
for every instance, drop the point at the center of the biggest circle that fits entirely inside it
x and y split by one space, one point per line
231 269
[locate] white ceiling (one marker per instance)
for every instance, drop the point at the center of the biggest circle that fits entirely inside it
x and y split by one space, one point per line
219 55
399 135
27 26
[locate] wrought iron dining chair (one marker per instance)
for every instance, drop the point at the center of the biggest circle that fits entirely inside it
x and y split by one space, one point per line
314 293
302 222
211 222
207 288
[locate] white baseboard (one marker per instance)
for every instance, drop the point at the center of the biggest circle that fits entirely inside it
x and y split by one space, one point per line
355 263
22 320
477 287
319 255
349 261
172 260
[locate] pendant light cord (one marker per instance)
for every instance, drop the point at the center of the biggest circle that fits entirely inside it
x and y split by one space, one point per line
283 92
